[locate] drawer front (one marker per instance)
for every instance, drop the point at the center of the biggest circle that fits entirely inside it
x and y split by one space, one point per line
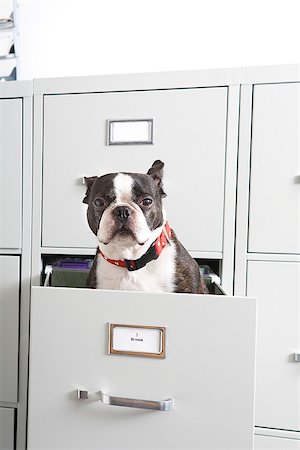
9 326
274 443
10 172
189 132
205 371
275 170
7 428
276 284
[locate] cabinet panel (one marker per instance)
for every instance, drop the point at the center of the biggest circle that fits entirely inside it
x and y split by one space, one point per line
275 170
9 327
277 286
6 429
274 443
10 172
205 371
189 133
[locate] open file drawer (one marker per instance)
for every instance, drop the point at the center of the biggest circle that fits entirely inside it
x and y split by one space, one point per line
205 381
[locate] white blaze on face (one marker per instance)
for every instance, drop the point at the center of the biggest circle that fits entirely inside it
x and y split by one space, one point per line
123 187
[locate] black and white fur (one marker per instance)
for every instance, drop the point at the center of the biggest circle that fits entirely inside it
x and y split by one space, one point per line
126 213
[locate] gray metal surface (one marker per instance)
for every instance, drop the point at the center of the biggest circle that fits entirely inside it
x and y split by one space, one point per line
190 137
276 284
7 429
213 396
10 172
9 327
274 208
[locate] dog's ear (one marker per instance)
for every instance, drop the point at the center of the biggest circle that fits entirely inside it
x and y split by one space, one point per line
89 181
156 172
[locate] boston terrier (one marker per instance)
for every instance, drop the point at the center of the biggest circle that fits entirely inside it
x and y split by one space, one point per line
138 251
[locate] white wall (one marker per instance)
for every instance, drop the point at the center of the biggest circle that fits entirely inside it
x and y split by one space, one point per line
63 37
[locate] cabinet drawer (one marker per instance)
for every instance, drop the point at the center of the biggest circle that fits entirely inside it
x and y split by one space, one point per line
276 285
9 326
7 429
204 371
274 443
10 172
189 134
275 170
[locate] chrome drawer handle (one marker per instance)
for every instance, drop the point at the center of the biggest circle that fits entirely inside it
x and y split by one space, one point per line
296 357
163 405
80 181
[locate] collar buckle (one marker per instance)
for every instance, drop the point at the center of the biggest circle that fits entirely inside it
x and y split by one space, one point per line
131 265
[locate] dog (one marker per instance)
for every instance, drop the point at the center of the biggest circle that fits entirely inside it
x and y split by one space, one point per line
138 251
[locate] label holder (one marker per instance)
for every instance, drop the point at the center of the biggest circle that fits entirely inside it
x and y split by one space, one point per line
135 135
114 350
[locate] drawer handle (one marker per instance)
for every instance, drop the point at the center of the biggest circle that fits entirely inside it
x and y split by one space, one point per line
81 181
296 357
163 405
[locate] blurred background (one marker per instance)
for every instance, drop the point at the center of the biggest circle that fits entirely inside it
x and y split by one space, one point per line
53 38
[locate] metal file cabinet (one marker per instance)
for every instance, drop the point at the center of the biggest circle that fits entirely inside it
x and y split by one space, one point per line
15 252
268 243
264 101
191 124
205 381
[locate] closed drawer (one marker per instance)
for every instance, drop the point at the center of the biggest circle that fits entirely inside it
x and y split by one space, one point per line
10 172
274 443
276 285
189 134
7 428
9 327
204 371
275 170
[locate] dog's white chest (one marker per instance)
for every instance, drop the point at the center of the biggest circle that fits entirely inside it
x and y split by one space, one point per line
156 276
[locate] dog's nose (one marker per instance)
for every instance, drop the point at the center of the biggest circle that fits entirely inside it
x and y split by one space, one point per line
123 213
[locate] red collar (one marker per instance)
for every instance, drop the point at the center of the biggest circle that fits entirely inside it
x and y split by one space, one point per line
152 253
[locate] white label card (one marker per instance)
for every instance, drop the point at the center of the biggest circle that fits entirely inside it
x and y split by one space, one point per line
144 341
122 132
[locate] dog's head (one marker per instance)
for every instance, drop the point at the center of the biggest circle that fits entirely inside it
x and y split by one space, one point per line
125 208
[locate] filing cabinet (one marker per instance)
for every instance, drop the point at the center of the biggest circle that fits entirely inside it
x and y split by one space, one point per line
268 243
91 126
15 258
194 119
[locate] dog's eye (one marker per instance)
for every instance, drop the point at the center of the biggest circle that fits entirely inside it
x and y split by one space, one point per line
98 202
146 201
